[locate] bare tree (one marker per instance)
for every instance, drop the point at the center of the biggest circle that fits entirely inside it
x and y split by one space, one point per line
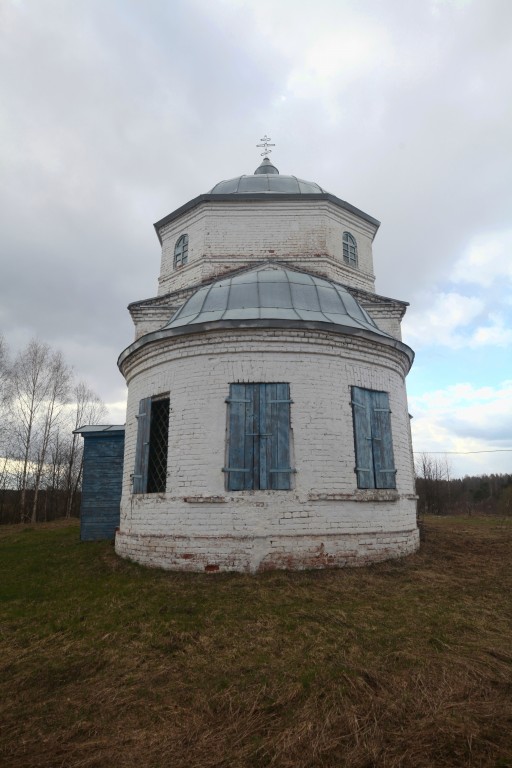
57 377
88 409
39 382
505 501
432 483
29 387
5 420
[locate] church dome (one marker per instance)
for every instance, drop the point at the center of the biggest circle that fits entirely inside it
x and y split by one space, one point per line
272 292
266 179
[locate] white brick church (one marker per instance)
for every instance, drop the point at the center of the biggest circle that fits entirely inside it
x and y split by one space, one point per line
267 422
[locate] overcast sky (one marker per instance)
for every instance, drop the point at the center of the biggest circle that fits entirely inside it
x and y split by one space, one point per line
115 112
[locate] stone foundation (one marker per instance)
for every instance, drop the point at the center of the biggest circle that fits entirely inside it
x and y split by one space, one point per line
253 554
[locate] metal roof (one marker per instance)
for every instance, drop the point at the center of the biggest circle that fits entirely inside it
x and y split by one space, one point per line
268 297
266 166
266 178
274 292
88 428
263 185
266 183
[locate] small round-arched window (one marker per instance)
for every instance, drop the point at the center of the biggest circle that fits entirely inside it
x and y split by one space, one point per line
181 251
349 249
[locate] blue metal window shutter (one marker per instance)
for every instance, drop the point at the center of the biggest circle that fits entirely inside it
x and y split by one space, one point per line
363 437
140 473
383 461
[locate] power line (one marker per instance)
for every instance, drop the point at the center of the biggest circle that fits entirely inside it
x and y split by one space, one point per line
466 453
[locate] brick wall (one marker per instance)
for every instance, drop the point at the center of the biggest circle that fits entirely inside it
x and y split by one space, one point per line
224 236
324 519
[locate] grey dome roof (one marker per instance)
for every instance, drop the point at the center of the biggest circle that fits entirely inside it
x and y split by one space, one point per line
270 296
272 292
266 179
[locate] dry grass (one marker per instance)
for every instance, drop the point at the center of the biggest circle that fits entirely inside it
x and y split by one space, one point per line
407 663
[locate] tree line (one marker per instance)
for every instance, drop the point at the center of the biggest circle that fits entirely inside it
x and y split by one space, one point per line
41 403
439 493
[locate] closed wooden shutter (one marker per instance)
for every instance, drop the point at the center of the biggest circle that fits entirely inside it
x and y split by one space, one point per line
140 473
259 437
383 461
241 441
277 403
375 466
363 438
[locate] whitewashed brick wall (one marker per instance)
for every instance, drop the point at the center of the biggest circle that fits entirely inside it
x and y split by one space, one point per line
224 236
325 519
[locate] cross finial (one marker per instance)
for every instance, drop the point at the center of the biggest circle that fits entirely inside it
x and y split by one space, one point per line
266 152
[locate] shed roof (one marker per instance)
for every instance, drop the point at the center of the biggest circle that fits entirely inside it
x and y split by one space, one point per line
88 429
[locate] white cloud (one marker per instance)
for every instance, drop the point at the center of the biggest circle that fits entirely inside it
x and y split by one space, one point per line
488 259
441 323
463 419
497 333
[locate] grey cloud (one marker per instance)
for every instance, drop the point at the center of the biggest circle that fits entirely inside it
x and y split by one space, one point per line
122 111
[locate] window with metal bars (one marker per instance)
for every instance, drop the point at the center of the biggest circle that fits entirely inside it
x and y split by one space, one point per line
181 251
258 453
150 474
349 249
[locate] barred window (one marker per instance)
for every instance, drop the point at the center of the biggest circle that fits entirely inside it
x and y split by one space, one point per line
181 251
349 249
150 474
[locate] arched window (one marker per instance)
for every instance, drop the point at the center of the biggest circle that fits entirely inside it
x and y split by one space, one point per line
349 249
181 251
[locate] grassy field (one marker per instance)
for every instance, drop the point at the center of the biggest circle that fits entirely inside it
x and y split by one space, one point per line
408 663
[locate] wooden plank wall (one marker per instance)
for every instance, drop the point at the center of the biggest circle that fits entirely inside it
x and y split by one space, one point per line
101 486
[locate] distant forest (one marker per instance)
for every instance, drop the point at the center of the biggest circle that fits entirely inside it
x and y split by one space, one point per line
438 494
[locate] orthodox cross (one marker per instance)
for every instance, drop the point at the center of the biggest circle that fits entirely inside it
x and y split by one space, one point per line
266 152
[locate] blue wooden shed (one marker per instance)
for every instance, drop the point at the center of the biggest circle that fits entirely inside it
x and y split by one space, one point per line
102 480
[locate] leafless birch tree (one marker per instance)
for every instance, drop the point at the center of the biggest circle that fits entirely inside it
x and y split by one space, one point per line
87 409
39 382
57 377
